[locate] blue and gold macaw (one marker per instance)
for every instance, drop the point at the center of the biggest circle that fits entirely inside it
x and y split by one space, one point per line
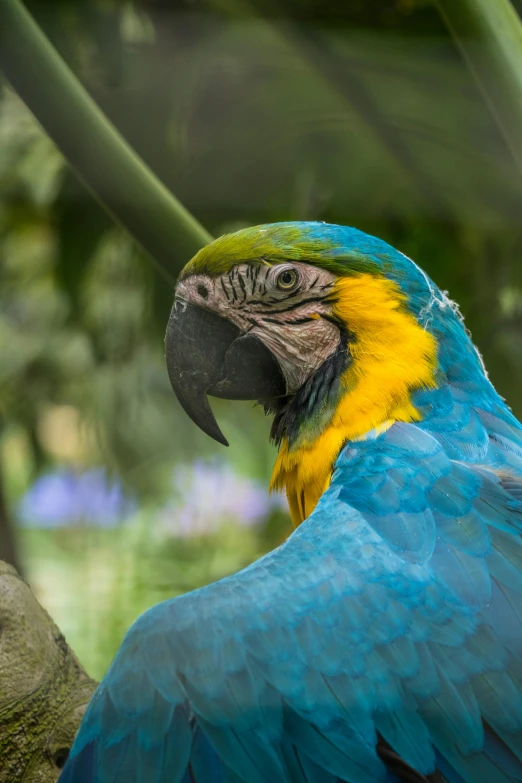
382 642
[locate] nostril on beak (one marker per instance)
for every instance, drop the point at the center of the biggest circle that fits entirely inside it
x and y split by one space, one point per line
180 305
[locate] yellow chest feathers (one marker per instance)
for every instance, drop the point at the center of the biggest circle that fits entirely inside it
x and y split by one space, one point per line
392 356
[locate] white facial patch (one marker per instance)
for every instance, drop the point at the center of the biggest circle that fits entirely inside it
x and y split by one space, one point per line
287 306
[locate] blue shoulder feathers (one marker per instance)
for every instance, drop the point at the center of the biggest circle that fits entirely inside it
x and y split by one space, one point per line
392 616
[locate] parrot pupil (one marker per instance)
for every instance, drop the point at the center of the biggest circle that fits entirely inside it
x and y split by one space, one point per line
287 279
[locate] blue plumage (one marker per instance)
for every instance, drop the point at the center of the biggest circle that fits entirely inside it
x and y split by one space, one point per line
391 620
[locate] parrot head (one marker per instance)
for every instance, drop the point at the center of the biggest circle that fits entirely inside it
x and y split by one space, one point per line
331 329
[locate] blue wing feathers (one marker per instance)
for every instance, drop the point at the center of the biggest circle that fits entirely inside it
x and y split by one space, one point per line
513 487
465 577
302 769
205 765
501 756
505 560
80 766
499 700
408 735
336 751
448 773
395 611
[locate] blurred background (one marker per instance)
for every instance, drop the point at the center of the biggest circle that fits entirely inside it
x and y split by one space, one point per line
251 111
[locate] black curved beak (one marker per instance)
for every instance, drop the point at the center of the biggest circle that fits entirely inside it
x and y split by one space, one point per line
206 354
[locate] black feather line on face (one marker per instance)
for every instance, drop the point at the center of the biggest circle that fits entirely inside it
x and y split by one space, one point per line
242 284
328 299
295 322
291 411
234 294
224 288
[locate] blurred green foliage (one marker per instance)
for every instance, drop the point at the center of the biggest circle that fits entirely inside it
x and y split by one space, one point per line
359 113
95 582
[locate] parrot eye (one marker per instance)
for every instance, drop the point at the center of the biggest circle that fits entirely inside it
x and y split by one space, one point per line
287 279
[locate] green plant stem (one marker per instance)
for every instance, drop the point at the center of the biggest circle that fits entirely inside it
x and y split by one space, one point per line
8 548
489 35
100 156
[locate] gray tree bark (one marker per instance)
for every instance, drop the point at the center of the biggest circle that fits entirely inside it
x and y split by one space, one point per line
43 688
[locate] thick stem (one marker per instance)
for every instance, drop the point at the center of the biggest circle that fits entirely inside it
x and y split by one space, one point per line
109 167
43 688
489 35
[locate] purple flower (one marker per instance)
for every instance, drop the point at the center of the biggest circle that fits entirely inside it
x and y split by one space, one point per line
206 494
67 498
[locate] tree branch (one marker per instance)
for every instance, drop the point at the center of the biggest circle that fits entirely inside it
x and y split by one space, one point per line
43 688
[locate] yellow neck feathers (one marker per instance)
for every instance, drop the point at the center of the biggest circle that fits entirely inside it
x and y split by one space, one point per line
392 356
